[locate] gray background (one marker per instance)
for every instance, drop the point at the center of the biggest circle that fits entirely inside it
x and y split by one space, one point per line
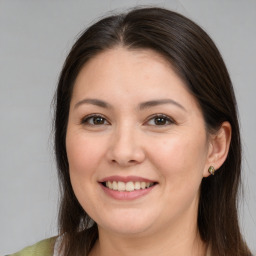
35 37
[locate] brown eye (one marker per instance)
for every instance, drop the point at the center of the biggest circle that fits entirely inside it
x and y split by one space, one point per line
160 120
98 120
95 120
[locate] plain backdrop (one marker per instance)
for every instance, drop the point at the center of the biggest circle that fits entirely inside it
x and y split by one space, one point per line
35 37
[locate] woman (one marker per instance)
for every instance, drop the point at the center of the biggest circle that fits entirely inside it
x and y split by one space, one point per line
147 142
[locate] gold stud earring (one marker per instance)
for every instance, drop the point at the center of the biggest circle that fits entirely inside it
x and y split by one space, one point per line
211 170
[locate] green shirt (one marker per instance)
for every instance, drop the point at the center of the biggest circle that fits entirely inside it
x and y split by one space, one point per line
42 248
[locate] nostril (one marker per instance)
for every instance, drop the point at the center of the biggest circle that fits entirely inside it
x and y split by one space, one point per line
123 162
125 152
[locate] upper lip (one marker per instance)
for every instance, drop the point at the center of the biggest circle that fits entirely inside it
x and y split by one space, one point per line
125 179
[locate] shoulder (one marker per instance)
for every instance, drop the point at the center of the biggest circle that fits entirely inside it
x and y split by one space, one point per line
42 248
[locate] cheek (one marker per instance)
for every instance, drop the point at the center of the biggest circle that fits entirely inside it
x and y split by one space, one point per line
179 159
83 154
180 165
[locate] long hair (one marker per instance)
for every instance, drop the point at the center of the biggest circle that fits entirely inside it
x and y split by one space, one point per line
197 61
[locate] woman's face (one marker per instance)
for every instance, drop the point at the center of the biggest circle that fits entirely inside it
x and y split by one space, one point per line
136 143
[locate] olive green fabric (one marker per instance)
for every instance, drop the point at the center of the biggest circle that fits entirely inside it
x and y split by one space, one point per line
42 248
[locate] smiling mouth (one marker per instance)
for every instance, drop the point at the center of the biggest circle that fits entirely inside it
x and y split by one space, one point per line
128 186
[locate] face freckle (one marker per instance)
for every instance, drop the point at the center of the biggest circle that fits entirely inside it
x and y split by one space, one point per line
129 89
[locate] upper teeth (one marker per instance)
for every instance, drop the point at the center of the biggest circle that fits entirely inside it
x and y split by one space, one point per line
128 186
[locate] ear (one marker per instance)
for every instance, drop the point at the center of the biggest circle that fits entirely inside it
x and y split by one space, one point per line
219 143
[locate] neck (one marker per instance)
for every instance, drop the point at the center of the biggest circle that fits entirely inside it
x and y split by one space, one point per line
178 240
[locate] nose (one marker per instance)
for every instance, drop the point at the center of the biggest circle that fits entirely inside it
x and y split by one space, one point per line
126 147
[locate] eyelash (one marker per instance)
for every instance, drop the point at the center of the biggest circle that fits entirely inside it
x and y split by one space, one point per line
160 116
93 117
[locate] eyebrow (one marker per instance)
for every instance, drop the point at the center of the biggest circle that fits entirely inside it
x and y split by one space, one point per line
143 105
153 103
96 102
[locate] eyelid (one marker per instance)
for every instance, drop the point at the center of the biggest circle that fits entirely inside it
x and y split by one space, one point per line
168 118
85 119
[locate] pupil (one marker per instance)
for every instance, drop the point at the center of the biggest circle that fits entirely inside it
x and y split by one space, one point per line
98 120
160 121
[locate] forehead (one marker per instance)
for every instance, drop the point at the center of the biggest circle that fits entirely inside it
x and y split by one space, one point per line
138 73
128 63
136 55
125 78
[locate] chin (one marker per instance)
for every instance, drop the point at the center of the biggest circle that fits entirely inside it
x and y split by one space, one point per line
126 230
130 224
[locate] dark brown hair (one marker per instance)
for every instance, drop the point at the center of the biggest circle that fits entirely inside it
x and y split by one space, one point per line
198 62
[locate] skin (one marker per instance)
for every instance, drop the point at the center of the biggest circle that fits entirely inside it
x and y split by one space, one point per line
176 154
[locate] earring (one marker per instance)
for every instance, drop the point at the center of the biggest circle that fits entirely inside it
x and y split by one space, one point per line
211 170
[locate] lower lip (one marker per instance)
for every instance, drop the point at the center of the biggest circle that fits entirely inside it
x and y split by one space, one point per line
125 195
